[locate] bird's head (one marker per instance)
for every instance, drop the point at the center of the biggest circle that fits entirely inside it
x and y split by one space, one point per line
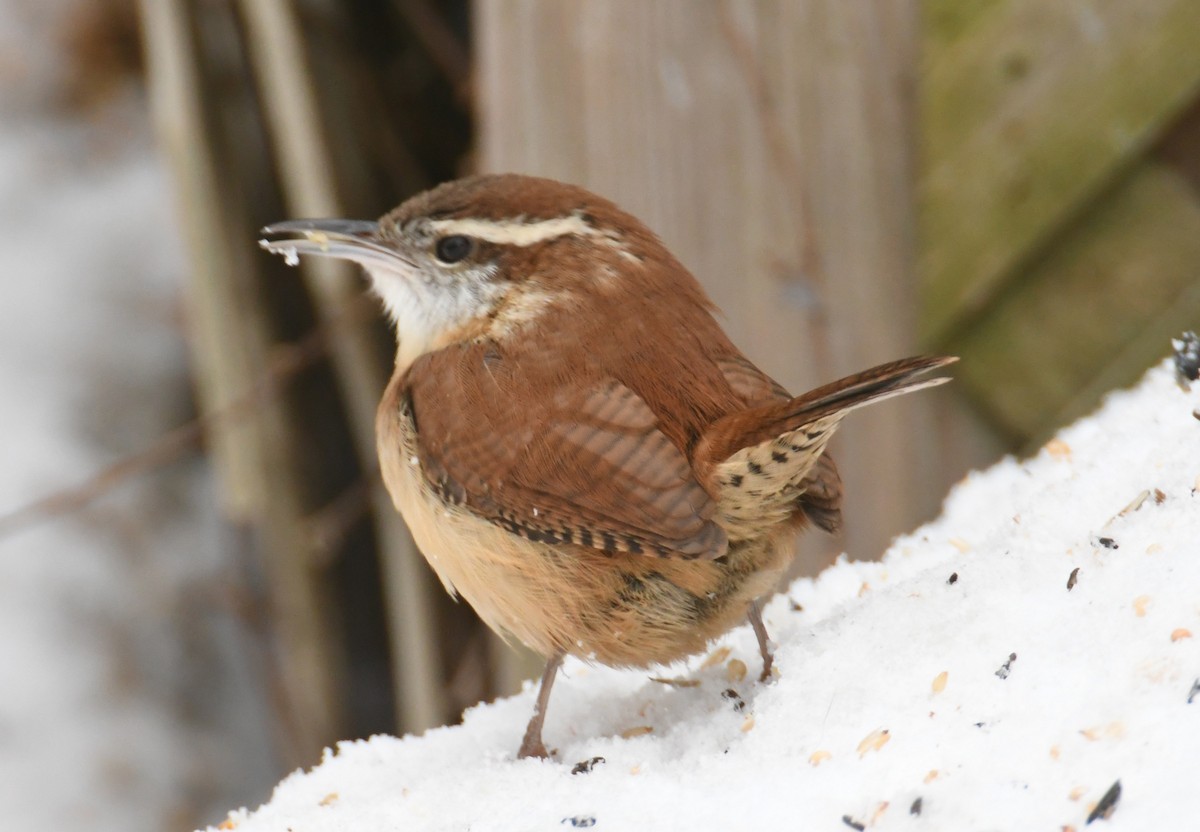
487 255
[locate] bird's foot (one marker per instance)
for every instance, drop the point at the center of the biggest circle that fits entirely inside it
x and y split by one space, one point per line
767 674
532 746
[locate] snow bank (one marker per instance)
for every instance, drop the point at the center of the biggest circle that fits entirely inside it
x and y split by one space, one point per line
1001 668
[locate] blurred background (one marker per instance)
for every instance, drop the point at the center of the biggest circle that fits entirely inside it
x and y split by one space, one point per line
201 581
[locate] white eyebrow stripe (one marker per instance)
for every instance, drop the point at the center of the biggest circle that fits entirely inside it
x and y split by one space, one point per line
514 232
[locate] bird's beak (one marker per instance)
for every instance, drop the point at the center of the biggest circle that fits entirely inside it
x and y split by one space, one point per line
356 240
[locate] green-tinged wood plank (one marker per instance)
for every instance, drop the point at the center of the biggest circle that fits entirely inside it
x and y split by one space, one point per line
944 21
1095 312
1027 112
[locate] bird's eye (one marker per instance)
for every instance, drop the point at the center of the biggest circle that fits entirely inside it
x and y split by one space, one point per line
453 248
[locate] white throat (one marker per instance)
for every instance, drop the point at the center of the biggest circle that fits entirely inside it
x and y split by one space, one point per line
426 312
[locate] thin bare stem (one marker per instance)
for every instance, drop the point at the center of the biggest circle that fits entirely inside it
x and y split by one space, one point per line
284 364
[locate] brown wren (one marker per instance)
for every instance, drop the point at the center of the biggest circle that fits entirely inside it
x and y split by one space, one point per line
576 445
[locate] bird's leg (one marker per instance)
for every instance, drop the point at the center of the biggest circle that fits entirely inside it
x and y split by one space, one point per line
764 647
532 745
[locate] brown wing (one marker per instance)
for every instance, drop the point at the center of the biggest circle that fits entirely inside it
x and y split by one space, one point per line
588 467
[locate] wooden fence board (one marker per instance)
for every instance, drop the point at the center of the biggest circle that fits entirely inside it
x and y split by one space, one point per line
1027 114
1076 324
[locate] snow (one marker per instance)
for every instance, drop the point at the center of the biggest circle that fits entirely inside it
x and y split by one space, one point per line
960 672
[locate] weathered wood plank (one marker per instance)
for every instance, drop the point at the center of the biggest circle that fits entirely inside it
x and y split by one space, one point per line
1027 111
1096 311
945 21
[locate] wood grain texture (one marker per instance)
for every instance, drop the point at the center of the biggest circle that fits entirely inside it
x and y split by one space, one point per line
1028 110
1096 311
768 143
